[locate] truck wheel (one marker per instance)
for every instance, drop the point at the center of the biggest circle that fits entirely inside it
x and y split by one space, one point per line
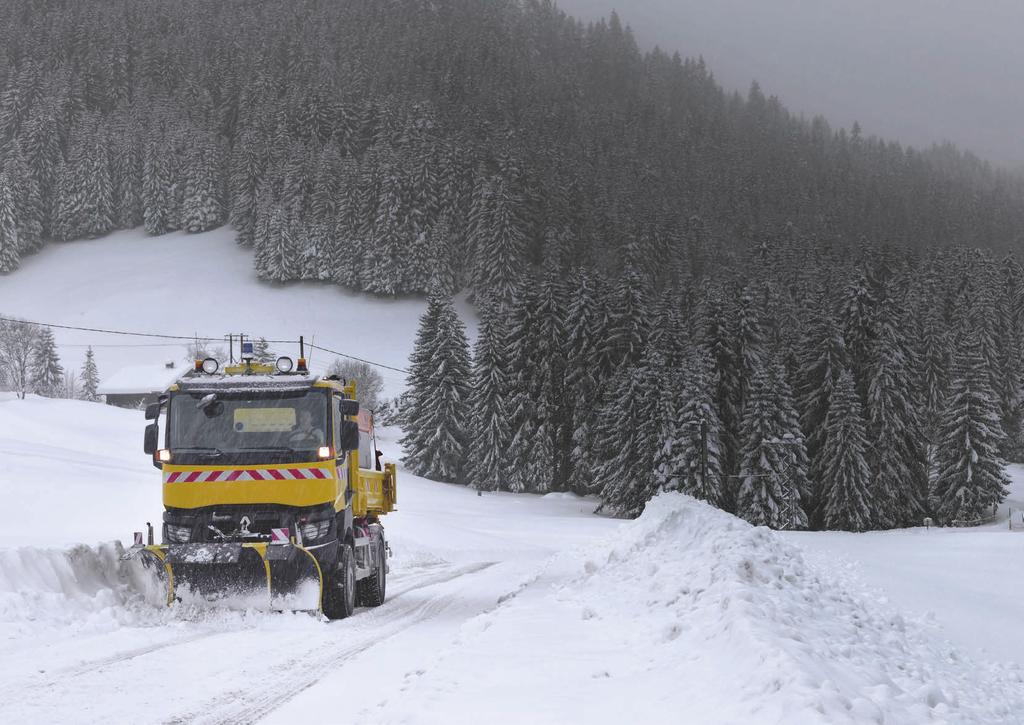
373 588
340 586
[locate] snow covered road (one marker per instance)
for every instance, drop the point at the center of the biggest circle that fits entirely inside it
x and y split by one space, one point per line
86 640
218 667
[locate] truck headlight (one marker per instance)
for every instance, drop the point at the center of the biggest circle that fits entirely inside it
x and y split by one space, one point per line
178 534
315 530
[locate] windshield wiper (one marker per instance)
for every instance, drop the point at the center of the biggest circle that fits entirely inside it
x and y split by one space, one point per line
270 449
198 449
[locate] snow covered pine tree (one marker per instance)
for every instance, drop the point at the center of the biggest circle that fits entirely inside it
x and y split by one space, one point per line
971 479
438 411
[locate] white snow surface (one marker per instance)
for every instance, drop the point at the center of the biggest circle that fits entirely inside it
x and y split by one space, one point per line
198 284
964 581
500 609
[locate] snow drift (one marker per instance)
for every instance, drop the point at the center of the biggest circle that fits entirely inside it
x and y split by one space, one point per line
84 588
693 612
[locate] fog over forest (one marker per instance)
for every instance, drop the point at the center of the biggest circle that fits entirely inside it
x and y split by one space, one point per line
918 71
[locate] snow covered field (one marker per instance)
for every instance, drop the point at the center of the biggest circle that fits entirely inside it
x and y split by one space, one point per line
124 281
967 582
501 608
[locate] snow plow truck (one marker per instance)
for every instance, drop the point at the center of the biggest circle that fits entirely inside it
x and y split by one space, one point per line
264 487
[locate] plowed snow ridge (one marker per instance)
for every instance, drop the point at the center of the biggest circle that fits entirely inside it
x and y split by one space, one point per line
692 611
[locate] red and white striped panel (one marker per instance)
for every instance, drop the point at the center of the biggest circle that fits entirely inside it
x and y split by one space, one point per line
247 474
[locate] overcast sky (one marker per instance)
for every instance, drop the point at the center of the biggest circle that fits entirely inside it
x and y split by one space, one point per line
918 71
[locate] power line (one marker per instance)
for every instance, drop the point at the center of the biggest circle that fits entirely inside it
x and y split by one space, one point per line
196 338
119 346
190 338
362 360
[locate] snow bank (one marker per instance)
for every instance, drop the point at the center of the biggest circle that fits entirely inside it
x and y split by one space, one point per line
73 472
691 615
88 589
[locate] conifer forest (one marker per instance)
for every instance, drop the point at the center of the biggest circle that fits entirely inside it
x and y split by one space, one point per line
678 287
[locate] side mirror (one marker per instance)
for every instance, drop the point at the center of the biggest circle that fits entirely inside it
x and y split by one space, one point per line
349 435
349 407
151 439
152 411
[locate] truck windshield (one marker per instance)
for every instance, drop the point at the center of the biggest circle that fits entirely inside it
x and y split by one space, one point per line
246 423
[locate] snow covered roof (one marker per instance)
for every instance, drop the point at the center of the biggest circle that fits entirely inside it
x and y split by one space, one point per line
141 379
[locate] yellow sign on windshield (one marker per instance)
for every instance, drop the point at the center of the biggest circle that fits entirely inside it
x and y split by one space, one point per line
264 420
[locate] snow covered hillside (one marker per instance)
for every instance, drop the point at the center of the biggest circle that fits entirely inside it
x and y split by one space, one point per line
501 608
202 284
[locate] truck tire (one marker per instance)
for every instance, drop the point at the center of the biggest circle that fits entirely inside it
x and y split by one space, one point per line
340 586
373 588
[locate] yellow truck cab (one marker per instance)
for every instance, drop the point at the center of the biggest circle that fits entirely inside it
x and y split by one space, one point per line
263 485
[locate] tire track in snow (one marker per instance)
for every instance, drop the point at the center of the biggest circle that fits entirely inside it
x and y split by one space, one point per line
43 684
245 706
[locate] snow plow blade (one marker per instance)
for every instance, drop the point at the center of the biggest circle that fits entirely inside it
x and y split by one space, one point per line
217 570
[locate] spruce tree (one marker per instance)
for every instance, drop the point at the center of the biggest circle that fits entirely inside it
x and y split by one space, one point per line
489 429
202 208
90 378
971 477
526 451
629 432
847 498
10 244
126 174
27 202
47 375
261 351
327 183
276 255
773 463
391 236
629 322
246 171
857 320
42 147
932 368
750 340
667 463
348 222
91 193
717 342
498 238
582 379
551 410
442 265
435 439
899 480
820 359
158 208
1010 345
697 458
